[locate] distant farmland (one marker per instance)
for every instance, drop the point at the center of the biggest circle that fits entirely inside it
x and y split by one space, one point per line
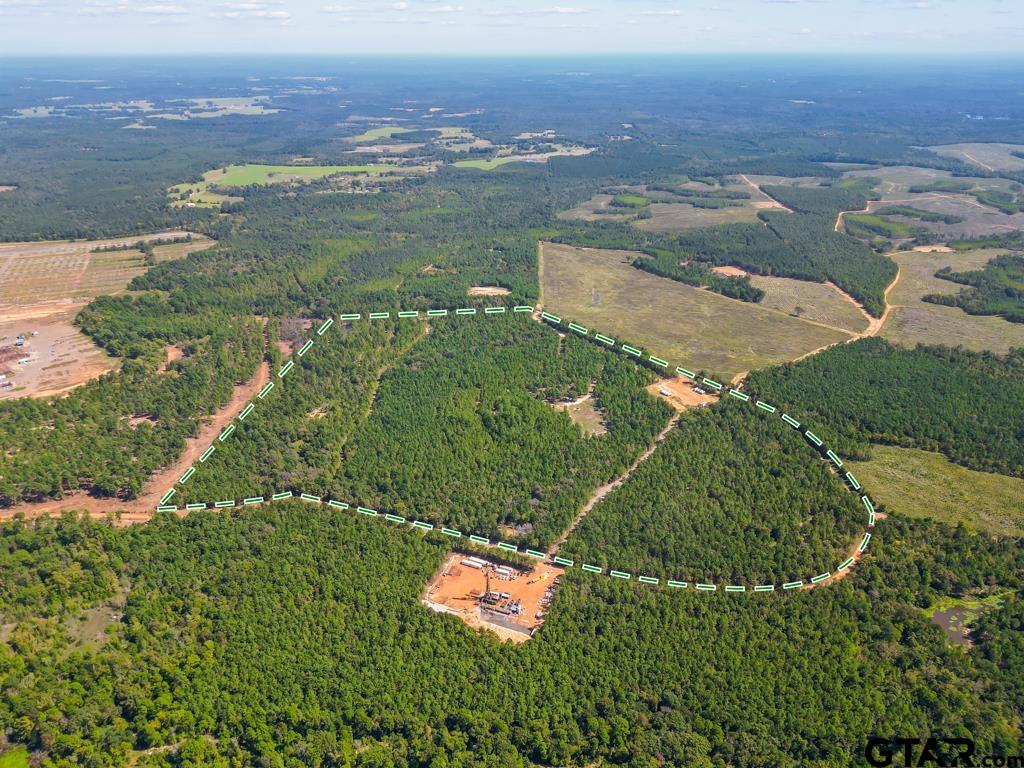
683 324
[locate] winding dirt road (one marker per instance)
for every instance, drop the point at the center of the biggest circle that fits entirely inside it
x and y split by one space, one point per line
140 510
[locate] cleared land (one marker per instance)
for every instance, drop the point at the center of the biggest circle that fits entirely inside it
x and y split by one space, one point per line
683 324
924 484
456 589
821 302
43 285
912 321
991 157
896 182
207 193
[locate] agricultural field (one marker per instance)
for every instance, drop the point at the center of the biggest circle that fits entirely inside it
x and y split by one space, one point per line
991 157
599 289
42 288
909 481
913 321
542 154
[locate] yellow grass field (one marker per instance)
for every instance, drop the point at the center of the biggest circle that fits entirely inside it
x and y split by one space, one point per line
685 325
925 484
913 321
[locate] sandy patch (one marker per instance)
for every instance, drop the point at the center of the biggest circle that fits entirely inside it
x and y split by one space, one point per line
457 589
933 249
680 393
729 271
172 352
7 188
489 290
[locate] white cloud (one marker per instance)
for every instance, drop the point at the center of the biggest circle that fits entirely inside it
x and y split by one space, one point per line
555 10
337 9
171 10
256 11
667 12
446 9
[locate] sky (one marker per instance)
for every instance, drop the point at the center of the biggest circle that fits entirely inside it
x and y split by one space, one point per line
519 27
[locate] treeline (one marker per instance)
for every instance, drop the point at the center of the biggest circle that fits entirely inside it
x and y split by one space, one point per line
996 289
713 505
800 246
967 405
107 436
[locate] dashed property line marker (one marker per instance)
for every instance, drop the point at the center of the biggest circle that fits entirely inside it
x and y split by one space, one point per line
455 533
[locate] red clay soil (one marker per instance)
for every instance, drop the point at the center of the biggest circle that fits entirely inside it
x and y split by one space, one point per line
141 509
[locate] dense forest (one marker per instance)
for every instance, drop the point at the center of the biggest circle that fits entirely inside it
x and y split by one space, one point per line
461 428
292 635
284 637
967 405
733 494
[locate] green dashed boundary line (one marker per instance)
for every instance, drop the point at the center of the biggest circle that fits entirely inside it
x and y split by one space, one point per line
430 528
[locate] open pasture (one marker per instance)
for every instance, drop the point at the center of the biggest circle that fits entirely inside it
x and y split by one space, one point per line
913 321
925 484
686 325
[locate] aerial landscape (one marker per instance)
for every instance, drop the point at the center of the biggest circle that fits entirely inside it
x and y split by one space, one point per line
419 384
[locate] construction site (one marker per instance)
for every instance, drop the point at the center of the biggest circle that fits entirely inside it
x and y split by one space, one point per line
508 600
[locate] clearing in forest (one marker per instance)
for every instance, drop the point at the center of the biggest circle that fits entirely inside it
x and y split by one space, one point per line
599 288
210 192
517 602
43 285
925 484
990 156
913 321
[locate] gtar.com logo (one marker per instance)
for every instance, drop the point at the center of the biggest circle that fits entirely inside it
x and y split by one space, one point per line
933 751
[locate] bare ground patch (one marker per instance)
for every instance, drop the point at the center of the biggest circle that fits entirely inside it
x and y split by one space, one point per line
488 290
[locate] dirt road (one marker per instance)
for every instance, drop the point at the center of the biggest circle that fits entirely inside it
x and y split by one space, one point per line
141 509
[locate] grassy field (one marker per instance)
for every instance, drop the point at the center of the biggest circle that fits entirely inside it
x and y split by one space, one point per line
992 156
913 321
685 325
487 164
204 194
812 301
14 758
924 484
374 134
678 217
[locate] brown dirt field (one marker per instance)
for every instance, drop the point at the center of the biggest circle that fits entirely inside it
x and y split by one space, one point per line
141 509
7 188
933 249
681 395
489 290
61 357
729 271
43 285
456 587
173 353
